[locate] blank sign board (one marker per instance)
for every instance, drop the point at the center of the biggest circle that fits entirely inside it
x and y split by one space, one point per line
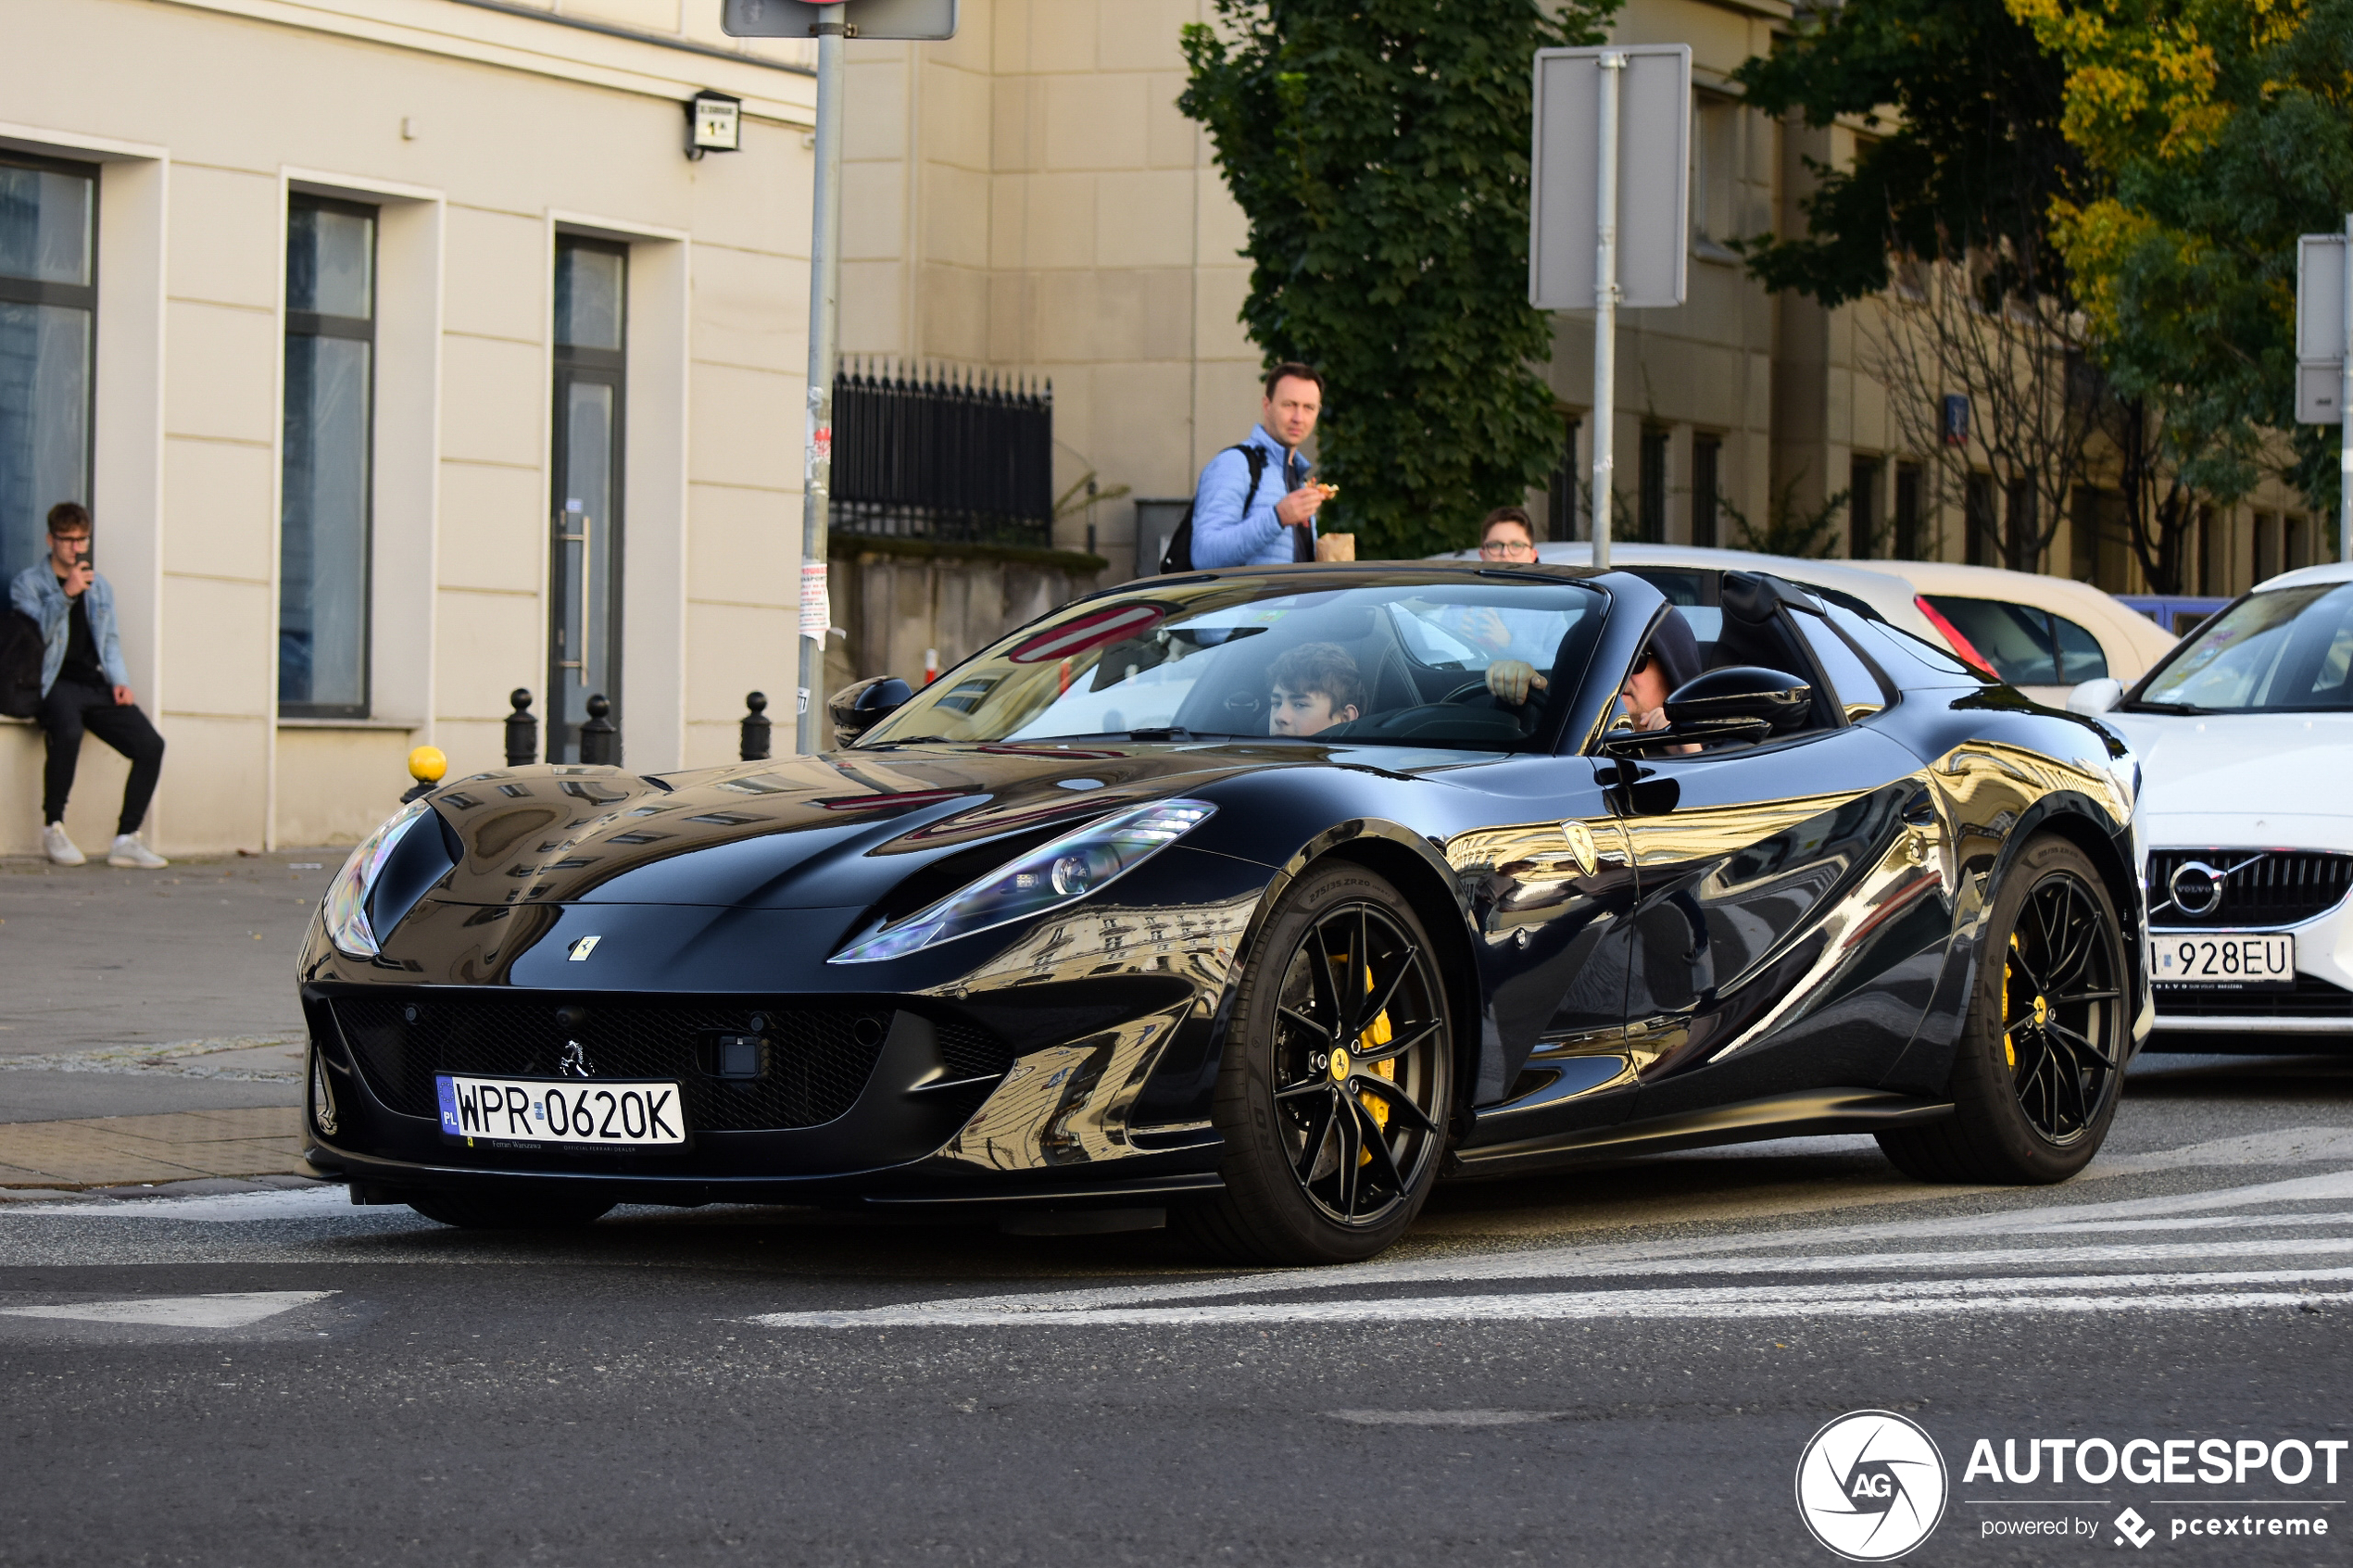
1653 176
869 18
2319 329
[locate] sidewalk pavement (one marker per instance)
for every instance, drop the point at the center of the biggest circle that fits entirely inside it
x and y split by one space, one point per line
149 1034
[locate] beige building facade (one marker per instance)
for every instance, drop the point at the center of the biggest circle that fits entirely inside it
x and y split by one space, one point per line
573 457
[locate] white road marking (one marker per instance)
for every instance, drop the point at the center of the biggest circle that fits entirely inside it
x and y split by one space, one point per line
293 1203
2077 1293
1442 1418
236 1310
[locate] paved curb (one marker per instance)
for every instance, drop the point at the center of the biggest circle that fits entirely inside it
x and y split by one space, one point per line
144 1152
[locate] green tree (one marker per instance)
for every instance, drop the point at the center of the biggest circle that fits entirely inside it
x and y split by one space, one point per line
1379 150
2221 129
1969 161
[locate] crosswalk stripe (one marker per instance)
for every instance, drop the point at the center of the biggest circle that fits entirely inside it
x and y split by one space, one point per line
2188 1292
230 1310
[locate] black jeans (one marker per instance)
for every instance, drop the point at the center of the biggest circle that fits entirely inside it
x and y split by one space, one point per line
71 709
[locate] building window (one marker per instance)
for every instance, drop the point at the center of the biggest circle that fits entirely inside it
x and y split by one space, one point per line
584 654
1650 521
1708 454
1560 501
48 316
1716 132
2267 545
2023 524
329 414
1984 542
1908 511
1862 507
2293 545
2213 553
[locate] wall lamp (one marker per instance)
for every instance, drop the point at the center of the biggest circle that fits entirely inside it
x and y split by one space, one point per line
714 124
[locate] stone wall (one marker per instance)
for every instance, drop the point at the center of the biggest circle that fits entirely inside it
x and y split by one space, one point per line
893 599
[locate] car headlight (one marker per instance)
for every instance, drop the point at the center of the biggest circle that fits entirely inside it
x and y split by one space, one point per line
346 904
1056 873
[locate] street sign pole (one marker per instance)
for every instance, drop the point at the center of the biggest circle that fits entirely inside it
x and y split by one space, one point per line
1617 115
817 454
2345 401
1606 305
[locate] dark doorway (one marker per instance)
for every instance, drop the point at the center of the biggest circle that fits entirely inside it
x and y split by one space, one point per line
585 555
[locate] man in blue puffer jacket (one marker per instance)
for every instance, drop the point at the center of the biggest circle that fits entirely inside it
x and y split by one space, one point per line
85 687
1263 513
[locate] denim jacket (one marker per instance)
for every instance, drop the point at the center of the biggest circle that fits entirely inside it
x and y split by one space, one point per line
1224 535
36 593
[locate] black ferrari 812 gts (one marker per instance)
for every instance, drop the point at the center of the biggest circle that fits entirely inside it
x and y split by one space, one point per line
1256 902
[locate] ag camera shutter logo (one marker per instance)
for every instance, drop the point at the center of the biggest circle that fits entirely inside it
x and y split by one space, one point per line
1872 1486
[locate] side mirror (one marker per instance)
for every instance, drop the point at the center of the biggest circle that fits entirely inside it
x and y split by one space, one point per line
2096 698
858 707
1745 691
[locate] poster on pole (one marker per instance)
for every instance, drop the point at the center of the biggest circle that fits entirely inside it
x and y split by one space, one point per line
866 18
2319 329
1653 176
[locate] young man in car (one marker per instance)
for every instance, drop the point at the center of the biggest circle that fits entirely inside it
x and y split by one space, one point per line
1260 510
85 687
1316 687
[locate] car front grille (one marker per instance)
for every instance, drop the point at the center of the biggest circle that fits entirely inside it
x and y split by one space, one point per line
2261 890
817 1062
2308 998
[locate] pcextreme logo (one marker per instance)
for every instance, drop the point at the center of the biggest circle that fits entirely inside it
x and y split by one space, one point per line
1872 1486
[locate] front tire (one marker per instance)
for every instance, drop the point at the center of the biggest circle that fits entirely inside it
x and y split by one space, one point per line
1336 1081
2040 1065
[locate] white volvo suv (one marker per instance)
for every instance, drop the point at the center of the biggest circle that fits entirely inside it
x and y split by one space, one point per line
2244 734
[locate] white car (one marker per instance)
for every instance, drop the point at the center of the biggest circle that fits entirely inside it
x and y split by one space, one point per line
2045 635
2245 740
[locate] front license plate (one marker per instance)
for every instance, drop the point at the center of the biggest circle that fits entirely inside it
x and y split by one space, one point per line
541 1110
2227 958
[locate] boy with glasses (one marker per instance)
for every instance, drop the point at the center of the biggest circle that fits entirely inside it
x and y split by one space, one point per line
1507 534
85 688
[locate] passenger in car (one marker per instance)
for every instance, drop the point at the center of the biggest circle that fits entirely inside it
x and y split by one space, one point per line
1316 687
1669 658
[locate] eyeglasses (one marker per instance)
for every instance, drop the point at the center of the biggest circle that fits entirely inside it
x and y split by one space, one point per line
1505 549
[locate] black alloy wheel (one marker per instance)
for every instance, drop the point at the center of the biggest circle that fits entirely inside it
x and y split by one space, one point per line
1337 1083
2040 1063
2062 1000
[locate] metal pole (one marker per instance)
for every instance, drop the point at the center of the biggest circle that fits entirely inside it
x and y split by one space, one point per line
2344 413
825 294
1605 308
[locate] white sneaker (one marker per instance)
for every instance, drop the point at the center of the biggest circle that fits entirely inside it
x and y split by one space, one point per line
58 848
132 854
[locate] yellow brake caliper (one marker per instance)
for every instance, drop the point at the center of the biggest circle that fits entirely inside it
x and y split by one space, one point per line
2008 1050
1379 1034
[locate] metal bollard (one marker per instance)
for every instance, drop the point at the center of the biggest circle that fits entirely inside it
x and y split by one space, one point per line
426 765
754 747
522 731
600 741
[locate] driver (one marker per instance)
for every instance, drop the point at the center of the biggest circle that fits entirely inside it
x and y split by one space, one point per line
1316 687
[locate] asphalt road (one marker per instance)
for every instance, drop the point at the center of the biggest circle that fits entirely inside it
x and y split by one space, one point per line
1618 1365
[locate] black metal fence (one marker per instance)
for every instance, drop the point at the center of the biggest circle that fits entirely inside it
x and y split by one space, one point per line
928 455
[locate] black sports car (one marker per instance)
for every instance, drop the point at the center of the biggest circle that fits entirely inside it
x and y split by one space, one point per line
1259 900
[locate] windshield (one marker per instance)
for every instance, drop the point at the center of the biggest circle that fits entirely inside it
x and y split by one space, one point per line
2284 651
1463 661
